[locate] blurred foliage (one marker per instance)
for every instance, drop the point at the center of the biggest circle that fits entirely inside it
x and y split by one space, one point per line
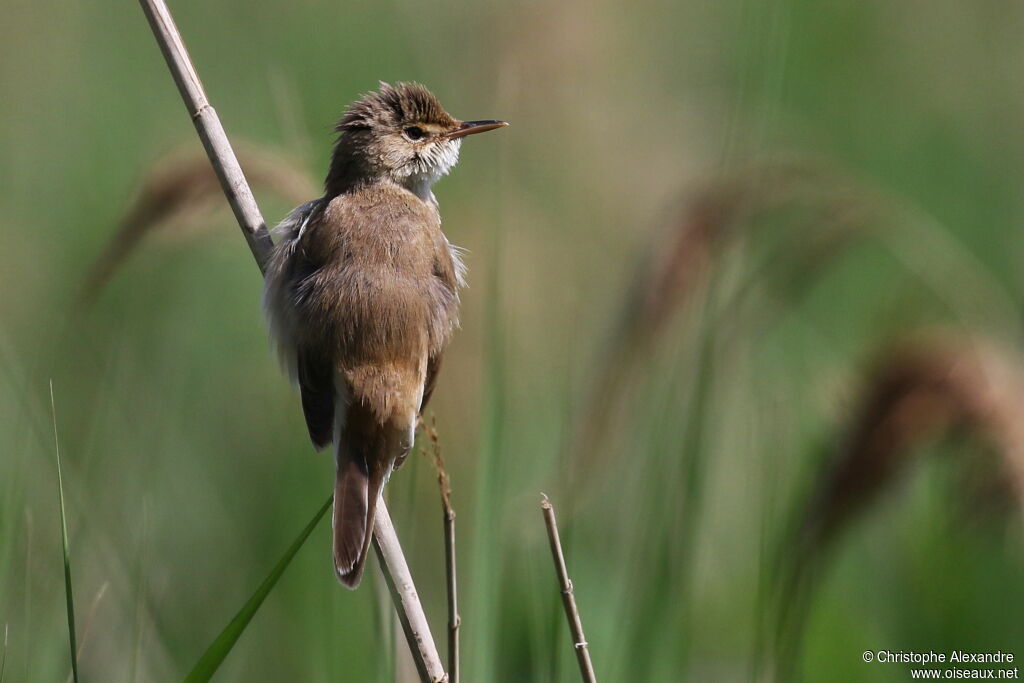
679 453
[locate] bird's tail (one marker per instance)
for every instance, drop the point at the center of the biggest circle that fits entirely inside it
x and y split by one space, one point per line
364 456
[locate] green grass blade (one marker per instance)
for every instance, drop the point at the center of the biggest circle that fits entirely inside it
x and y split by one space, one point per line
64 538
219 649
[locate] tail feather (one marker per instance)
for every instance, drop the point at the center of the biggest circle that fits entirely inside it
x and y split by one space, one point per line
353 519
365 453
351 489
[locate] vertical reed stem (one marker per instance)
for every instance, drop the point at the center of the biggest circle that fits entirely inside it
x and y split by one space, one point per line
454 620
448 519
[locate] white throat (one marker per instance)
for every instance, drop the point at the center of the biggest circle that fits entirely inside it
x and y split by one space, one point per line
434 163
421 184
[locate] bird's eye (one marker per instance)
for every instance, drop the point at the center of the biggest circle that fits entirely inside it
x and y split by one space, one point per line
413 132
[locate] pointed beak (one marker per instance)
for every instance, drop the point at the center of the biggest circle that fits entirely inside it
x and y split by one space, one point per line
472 127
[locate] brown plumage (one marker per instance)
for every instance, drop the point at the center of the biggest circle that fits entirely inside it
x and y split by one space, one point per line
362 296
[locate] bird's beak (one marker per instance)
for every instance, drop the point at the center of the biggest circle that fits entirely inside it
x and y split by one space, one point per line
471 127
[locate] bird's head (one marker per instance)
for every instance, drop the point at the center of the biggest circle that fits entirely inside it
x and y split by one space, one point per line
401 133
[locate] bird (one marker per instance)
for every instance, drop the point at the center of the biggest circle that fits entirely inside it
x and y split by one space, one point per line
361 296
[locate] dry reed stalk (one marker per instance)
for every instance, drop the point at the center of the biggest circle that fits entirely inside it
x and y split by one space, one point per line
243 204
448 517
407 601
454 619
211 132
568 597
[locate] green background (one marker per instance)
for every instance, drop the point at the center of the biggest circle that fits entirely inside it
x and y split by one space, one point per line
187 470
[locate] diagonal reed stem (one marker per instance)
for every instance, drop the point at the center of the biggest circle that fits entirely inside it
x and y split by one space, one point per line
579 640
210 131
254 229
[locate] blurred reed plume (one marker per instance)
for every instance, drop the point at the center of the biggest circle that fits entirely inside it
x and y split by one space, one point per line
933 384
718 211
917 391
816 210
180 189
792 219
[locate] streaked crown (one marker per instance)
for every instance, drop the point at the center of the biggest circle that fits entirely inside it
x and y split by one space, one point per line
394 105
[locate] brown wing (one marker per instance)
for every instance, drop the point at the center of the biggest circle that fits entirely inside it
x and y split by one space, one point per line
290 266
317 389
